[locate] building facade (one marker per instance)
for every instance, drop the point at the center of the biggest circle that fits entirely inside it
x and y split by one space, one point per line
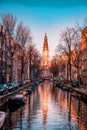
83 58
13 60
45 53
26 66
17 65
11 54
3 55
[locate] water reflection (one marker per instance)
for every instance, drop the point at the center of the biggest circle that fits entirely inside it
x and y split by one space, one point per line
44 101
49 108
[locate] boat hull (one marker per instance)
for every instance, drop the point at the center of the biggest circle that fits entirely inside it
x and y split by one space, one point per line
16 102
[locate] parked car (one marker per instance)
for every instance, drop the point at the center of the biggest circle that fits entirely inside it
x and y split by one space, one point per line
23 82
1 89
15 85
37 81
27 82
10 86
61 85
75 84
5 89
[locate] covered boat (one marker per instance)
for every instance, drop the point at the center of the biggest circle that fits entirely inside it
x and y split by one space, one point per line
29 90
16 102
19 98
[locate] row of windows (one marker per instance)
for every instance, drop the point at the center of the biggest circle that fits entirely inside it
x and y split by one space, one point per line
84 66
3 44
84 57
3 63
3 56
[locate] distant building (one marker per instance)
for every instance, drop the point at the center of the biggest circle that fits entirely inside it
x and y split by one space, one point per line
3 55
45 53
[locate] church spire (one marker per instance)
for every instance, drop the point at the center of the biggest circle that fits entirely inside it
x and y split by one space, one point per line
45 42
45 56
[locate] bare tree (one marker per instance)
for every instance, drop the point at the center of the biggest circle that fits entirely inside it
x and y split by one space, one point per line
23 35
12 47
30 56
76 51
34 61
78 45
9 22
23 38
54 68
37 61
79 27
66 46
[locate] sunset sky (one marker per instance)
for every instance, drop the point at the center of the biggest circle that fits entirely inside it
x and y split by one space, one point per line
50 16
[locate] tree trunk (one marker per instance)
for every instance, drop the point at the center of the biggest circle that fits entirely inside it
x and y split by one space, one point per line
78 76
67 71
22 68
30 63
70 68
11 72
70 71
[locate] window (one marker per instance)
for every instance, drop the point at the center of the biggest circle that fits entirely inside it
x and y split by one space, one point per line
0 42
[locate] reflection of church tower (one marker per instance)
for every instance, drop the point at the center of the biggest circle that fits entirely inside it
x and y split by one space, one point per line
45 53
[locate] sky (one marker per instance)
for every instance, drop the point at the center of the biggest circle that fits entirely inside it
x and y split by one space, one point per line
50 16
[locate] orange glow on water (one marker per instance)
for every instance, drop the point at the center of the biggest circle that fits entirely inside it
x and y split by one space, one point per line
45 105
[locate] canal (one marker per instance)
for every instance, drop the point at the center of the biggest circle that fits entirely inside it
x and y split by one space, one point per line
48 108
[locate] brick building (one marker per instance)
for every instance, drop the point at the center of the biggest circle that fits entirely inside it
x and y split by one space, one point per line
3 55
17 65
83 58
10 59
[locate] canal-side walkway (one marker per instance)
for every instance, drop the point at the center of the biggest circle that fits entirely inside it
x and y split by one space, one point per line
81 90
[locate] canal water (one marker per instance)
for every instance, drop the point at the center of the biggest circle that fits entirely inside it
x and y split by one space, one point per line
48 108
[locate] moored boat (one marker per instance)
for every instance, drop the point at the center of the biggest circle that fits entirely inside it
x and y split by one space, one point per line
29 90
19 98
16 102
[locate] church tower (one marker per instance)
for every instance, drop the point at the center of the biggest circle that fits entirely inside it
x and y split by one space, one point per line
45 53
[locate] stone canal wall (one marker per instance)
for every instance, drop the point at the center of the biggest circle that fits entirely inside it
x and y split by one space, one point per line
79 90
